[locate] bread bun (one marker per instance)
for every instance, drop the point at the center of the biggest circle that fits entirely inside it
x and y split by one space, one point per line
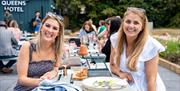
80 75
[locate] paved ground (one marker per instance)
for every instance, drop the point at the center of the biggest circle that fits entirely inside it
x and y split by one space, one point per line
171 80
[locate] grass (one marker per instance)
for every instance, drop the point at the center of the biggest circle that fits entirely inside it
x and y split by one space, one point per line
171 47
172 52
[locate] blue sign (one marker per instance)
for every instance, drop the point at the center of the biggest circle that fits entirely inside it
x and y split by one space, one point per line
13 6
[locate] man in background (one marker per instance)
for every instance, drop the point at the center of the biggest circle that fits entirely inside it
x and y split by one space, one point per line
35 23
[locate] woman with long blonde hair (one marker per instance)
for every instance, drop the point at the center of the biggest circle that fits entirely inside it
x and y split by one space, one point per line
135 53
40 59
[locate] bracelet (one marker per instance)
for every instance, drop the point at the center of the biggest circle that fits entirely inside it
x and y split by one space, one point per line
55 66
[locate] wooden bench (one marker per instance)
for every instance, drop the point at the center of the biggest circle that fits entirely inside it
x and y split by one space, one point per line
7 59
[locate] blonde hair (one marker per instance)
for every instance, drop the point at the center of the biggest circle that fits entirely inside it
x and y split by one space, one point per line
59 39
13 24
139 42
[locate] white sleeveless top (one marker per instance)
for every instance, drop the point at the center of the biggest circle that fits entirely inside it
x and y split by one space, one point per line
151 48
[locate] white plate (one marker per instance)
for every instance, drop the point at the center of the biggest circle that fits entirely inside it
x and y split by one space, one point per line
97 83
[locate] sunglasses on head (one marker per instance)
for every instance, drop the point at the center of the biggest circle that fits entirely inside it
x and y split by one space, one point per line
55 15
136 9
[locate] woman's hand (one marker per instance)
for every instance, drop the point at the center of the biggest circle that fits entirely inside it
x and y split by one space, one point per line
127 76
49 75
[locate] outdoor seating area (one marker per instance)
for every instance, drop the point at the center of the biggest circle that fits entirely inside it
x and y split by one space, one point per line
166 75
78 57
94 61
89 45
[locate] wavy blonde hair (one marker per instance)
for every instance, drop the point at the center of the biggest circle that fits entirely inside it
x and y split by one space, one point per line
58 44
13 24
139 42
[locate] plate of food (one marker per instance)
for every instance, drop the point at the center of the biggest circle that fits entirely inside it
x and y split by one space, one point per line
104 83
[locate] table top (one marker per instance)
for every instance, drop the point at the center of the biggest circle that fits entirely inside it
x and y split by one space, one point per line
68 79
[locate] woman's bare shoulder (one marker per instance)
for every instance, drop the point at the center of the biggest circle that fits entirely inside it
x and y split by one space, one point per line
25 46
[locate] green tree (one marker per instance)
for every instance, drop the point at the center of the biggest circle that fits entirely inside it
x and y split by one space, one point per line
163 13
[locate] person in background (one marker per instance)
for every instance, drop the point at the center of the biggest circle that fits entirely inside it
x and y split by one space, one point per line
94 27
86 29
115 23
135 54
107 24
7 17
101 29
13 26
7 40
35 23
86 33
40 59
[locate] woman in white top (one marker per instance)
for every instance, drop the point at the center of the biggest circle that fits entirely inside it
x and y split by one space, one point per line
135 54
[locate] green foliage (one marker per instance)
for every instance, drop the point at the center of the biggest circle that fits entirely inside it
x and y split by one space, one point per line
175 21
163 13
109 11
172 48
172 52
